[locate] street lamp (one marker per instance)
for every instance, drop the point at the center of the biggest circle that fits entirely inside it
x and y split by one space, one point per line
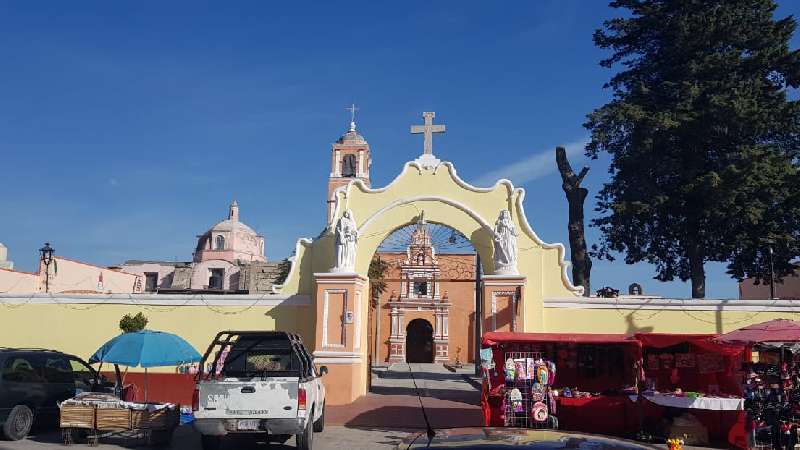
46 257
771 275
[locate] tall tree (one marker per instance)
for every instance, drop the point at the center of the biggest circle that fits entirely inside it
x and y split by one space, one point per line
703 138
576 195
378 269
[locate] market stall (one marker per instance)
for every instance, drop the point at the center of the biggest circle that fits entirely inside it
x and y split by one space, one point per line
771 382
91 414
692 388
591 376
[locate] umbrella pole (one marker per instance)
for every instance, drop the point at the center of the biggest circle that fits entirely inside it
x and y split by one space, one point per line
119 380
145 384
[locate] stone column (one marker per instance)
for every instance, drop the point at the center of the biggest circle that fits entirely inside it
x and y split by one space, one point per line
441 341
397 340
503 297
341 311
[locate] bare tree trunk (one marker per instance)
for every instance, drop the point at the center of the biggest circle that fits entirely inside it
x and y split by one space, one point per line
697 271
576 195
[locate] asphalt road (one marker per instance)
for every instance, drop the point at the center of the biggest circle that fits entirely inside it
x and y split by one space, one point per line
185 438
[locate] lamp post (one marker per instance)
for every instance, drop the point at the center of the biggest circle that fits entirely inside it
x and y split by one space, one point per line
46 257
771 275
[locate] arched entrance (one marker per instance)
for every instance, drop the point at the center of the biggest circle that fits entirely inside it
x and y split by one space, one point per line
419 341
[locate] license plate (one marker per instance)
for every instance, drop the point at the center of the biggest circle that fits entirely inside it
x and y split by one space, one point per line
248 424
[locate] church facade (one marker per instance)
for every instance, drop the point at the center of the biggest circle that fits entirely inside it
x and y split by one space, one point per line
429 308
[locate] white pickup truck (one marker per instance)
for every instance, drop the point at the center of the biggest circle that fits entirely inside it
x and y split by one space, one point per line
259 383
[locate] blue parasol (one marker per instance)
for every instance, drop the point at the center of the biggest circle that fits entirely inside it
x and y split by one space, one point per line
146 349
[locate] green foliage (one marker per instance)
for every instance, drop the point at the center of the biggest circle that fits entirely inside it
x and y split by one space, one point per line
132 324
703 138
283 271
377 278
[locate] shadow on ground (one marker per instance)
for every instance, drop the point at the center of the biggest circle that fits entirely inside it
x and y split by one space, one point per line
411 417
454 395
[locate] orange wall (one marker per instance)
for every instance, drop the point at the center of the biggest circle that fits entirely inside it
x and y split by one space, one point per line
458 280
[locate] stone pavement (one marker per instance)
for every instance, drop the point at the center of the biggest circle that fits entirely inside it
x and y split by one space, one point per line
450 399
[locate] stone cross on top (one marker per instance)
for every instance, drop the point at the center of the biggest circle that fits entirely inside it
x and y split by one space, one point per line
428 129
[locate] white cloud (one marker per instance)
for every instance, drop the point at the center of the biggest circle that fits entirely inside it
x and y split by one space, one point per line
538 165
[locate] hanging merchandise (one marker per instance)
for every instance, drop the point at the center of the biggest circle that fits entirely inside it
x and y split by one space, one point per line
515 396
542 374
528 401
772 403
684 360
510 369
539 412
652 362
519 369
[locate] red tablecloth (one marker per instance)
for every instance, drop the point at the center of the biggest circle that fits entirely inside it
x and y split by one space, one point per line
601 414
723 426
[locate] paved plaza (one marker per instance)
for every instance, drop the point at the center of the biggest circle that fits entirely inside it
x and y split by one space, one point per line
379 420
382 419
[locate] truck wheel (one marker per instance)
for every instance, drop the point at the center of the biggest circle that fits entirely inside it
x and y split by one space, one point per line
306 438
18 423
319 425
211 442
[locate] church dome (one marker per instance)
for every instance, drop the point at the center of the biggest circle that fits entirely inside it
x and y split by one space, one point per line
352 136
230 240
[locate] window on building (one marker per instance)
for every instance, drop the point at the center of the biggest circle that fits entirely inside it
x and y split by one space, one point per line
150 281
421 287
219 243
215 278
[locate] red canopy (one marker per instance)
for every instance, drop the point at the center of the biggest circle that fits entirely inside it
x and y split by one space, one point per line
778 330
702 341
494 337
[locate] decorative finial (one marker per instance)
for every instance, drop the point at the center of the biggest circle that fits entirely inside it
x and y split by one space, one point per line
352 108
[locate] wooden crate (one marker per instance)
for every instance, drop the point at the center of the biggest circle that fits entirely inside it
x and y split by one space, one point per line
155 420
113 419
77 416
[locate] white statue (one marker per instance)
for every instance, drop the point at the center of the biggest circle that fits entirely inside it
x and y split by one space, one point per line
505 245
346 239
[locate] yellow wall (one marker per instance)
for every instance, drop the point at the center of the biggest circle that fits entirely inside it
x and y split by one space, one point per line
80 329
629 321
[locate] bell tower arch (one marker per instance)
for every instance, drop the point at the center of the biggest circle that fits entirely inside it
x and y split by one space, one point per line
350 160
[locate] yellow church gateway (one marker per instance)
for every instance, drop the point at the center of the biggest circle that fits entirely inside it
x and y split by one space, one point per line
522 285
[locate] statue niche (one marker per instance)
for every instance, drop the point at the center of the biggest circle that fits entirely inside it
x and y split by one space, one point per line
349 165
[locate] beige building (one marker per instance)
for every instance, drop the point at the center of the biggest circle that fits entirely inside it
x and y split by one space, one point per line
786 289
67 276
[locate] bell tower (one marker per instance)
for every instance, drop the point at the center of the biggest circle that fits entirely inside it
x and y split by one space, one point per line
350 159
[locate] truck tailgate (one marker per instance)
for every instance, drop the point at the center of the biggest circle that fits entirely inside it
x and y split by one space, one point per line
275 397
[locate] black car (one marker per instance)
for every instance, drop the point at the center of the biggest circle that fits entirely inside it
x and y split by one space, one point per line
33 381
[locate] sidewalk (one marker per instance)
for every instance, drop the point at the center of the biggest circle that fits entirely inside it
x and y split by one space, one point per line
448 398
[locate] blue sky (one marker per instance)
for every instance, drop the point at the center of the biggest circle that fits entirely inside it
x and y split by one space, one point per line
126 128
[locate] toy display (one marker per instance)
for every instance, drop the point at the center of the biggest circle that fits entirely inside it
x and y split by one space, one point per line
529 401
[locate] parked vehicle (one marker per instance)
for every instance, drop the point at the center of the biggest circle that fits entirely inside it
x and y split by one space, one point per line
33 381
261 384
